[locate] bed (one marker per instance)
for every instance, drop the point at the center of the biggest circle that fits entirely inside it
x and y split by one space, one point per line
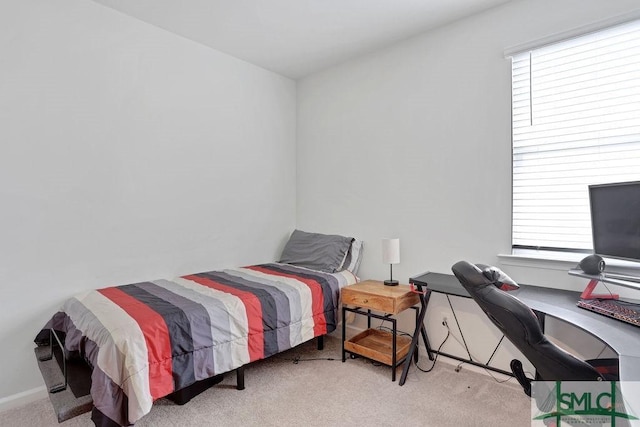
148 340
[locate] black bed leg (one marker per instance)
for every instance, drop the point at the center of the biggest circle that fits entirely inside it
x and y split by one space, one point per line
240 378
321 342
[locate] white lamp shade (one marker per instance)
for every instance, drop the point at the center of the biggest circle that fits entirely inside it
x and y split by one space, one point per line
391 251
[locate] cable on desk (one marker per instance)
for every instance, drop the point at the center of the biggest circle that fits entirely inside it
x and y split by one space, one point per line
608 290
619 301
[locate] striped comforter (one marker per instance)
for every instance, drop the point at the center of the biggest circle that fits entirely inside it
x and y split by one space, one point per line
147 340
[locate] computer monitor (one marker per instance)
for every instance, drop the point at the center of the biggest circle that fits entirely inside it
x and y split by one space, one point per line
615 220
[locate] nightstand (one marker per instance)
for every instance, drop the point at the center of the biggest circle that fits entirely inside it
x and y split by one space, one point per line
382 346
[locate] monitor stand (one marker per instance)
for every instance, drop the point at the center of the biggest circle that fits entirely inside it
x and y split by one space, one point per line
588 292
631 282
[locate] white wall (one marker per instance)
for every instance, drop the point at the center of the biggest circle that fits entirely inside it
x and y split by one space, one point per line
127 153
414 141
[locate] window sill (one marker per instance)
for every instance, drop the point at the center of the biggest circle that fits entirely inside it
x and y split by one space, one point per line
541 259
563 261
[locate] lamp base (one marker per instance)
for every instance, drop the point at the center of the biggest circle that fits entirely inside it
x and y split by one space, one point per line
391 283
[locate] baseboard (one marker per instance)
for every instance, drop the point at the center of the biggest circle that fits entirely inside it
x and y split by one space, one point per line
23 398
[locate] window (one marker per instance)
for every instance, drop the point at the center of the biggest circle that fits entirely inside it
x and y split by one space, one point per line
576 121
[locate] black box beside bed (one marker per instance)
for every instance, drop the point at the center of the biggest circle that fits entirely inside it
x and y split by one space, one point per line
175 337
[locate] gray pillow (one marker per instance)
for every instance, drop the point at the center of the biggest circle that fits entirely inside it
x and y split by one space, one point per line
322 252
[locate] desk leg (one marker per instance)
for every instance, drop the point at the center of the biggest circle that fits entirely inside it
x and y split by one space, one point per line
420 330
394 356
344 331
416 355
423 331
425 338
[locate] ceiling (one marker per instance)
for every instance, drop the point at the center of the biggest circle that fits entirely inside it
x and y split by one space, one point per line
298 37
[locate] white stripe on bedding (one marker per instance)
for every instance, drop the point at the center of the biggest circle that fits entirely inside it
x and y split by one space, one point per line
292 294
237 353
120 327
306 332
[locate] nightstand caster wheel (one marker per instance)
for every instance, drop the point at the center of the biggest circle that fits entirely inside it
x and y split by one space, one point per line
353 356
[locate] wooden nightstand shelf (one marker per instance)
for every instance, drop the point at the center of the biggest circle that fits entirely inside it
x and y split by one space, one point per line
382 346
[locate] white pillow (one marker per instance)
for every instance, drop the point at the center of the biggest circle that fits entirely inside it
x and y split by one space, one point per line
353 257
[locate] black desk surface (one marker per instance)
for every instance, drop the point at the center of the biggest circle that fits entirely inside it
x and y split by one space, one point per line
622 337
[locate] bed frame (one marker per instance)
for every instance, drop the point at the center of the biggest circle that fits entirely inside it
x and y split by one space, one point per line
179 397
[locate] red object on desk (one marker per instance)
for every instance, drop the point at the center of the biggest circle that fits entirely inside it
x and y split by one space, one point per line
588 292
413 289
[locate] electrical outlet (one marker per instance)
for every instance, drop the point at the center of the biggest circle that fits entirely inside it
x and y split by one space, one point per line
445 321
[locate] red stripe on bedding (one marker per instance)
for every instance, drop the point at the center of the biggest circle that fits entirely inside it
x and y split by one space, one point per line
317 297
253 308
156 335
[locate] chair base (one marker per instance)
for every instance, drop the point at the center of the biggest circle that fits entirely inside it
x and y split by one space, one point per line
518 372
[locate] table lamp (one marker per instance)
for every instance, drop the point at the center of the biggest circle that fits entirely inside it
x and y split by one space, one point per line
391 255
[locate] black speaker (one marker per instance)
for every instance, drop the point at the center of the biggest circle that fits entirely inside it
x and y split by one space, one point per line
593 264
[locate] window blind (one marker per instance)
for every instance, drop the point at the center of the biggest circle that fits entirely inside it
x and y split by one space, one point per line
576 121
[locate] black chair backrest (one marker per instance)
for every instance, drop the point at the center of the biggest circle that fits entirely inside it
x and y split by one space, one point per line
519 324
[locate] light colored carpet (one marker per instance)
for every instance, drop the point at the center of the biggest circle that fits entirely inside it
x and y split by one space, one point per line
328 393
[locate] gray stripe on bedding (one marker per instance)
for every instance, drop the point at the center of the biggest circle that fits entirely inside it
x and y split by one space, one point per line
200 325
295 303
281 300
220 327
322 277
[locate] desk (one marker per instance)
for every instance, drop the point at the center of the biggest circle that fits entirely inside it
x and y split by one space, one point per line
623 338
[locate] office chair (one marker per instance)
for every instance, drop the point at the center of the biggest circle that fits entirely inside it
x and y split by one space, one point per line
488 286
